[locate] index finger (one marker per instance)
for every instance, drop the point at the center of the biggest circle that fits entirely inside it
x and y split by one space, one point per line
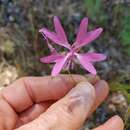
29 90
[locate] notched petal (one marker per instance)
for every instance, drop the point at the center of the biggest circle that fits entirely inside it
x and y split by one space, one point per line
59 36
88 38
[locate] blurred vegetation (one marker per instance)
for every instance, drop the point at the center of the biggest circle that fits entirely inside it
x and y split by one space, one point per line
121 28
120 13
125 34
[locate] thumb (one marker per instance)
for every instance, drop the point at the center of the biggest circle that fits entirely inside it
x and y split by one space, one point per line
72 110
69 113
115 123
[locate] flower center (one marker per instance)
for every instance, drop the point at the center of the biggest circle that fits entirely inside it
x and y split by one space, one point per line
74 49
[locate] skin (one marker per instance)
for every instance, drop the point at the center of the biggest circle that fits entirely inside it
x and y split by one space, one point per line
53 103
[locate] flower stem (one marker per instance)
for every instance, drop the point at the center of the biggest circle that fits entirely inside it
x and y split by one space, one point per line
71 76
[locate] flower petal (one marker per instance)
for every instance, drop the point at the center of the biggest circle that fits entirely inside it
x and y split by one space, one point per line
93 57
86 64
85 37
51 58
82 30
60 31
59 37
51 35
60 64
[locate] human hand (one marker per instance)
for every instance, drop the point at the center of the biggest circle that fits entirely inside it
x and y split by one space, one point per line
53 103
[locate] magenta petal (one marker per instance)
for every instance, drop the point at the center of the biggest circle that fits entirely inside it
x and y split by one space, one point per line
51 58
86 64
60 64
58 67
82 30
50 35
93 57
58 37
60 31
89 37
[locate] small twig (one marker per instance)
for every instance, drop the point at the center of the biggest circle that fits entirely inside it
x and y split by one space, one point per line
35 43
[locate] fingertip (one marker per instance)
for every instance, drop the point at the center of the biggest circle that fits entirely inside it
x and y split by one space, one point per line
103 87
118 120
114 123
101 90
84 87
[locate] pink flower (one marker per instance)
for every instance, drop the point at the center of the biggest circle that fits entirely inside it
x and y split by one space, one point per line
83 38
